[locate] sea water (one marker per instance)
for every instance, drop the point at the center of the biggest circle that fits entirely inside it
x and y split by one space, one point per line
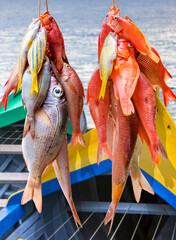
80 23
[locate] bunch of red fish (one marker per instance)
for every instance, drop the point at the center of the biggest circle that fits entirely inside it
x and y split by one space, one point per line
122 102
52 93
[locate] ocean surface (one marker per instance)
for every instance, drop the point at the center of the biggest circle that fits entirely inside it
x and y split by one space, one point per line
80 22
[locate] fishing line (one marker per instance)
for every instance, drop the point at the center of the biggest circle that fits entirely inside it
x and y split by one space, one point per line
82 225
96 230
119 225
52 220
157 227
46 5
39 7
136 227
117 4
59 228
113 3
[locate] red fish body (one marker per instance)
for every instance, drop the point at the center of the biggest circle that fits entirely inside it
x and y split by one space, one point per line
105 29
75 93
123 148
128 30
126 76
157 74
144 101
55 39
11 84
99 109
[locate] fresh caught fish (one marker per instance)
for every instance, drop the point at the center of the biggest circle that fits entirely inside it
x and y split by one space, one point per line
11 84
55 40
25 45
74 93
157 74
99 109
128 30
51 123
61 168
36 56
144 101
125 136
106 29
107 57
34 101
139 182
125 75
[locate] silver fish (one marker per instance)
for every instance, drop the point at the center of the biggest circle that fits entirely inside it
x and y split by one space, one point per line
51 123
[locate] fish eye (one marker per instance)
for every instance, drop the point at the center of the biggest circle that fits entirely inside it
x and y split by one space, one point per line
115 17
58 92
50 17
67 66
130 45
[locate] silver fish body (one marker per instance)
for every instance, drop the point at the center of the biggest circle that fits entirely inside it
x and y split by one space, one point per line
51 123
33 101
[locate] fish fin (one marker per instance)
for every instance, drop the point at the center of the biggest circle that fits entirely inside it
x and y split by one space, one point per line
139 182
78 137
117 192
127 107
157 148
34 87
29 126
33 191
154 57
103 89
104 148
14 91
167 92
4 101
75 214
167 75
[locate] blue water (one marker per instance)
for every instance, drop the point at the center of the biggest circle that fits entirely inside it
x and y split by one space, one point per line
80 23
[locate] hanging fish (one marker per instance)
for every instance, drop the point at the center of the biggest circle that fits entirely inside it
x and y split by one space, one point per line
125 28
36 56
144 101
125 135
139 182
107 57
34 101
125 75
55 40
99 109
25 45
51 123
74 93
61 168
157 74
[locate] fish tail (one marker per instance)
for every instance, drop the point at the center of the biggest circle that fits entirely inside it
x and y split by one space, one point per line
104 148
29 126
157 148
167 93
14 91
75 214
139 182
34 87
78 137
154 57
103 89
4 101
116 194
33 191
127 107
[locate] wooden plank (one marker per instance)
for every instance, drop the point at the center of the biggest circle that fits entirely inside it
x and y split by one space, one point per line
13 177
3 203
10 149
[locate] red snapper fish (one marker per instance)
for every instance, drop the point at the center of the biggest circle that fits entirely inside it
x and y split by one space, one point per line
128 30
125 136
11 84
74 93
157 74
55 40
51 123
125 75
99 109
144 101
106 29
